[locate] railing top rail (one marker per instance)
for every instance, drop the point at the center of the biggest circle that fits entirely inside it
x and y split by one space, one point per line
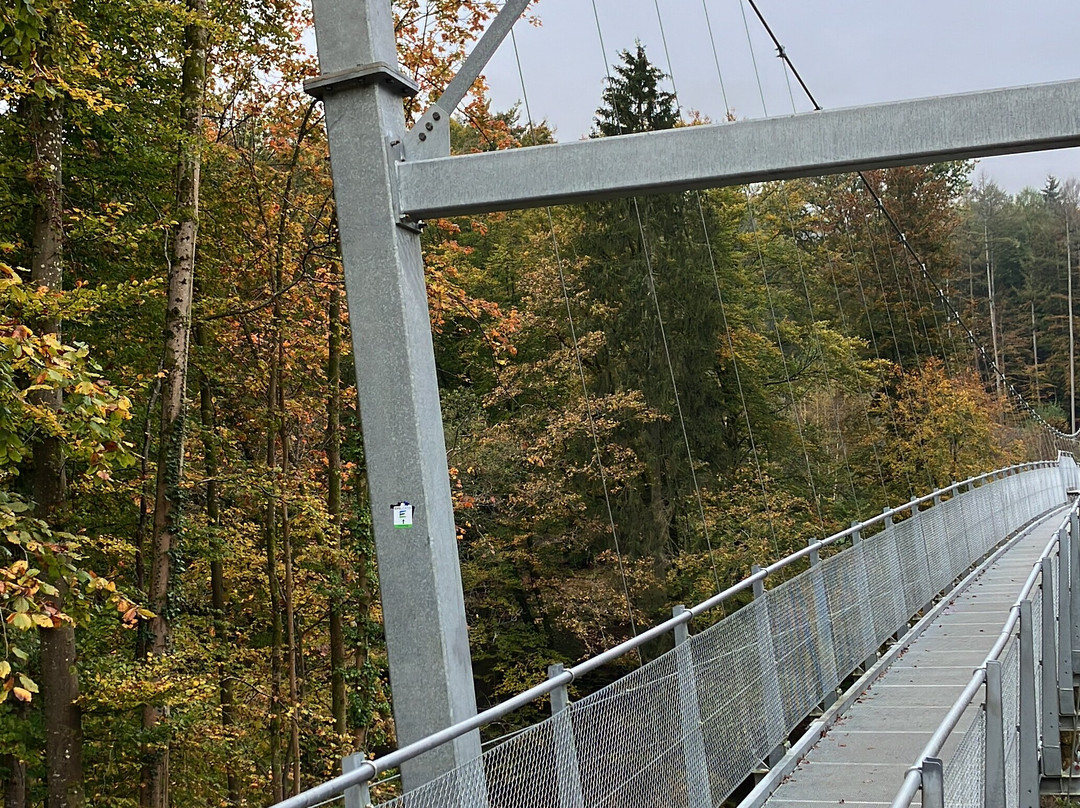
913 778
889 513
370 769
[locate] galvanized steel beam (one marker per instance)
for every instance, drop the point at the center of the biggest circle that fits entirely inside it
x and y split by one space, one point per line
416 542
953 127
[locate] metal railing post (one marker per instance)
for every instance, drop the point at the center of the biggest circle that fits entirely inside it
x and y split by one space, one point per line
1064 585
933 783
767 656
1029 731
697 762
566 760
1051 727
995 738
357 796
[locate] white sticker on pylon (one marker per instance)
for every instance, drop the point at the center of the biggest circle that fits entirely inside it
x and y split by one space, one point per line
403 514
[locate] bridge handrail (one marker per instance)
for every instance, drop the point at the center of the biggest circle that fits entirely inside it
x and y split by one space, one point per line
913 779
369 769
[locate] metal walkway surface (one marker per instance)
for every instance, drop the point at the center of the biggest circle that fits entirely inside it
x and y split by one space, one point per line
861 760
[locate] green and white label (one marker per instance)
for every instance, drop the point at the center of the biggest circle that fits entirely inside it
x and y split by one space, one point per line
403 514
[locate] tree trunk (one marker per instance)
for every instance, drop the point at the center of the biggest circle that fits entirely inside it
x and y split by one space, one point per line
14 783
276 411
290 597
226 695
277 773
63 718
333 509
142 639
154 785
59 681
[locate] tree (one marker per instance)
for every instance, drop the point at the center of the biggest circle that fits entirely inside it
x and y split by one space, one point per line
154 791
633 99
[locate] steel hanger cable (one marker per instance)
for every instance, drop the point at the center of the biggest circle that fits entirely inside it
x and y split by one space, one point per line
591 416
651 279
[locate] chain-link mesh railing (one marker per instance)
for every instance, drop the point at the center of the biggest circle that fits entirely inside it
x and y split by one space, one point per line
689 727
1015 737
1036 630
1010 721
965 773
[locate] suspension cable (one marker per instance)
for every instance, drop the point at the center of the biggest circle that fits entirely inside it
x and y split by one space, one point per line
593 431
715 274
651 278
902 238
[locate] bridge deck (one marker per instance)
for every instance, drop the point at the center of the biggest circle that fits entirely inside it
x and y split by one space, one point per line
861 761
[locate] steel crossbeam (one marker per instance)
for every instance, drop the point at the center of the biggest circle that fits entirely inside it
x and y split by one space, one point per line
951 127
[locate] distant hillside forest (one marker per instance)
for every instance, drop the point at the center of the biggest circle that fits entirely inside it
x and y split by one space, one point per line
641 397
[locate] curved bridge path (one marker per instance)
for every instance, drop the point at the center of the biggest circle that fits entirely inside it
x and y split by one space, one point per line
860 762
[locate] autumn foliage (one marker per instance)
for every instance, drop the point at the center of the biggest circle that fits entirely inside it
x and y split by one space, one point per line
641 398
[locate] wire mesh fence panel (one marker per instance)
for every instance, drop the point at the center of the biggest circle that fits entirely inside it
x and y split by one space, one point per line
953 520
523 771
936 539
738 695
1071 471
1052 489
1055 577
802 646
998 503
886 588
965 772
849 609
1027 489
1002 506
965 532
914 570
1036 642
1010 720
632 727
983 521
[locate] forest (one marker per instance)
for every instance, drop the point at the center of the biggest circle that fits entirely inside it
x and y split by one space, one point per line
641 398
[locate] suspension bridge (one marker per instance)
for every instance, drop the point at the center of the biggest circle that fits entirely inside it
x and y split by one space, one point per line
925 656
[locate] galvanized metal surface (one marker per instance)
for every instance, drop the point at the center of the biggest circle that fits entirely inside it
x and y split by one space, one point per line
810 144
419 577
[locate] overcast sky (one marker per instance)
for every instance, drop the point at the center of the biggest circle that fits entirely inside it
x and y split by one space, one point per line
849 52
